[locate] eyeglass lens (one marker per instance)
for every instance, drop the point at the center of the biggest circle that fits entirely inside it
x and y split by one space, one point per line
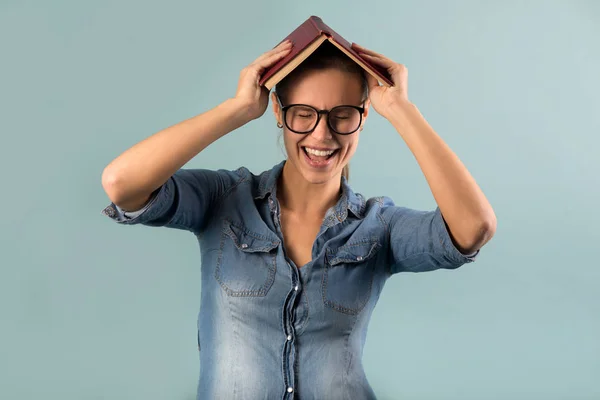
342 119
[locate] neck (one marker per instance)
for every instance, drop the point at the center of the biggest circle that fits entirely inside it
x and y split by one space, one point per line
304 198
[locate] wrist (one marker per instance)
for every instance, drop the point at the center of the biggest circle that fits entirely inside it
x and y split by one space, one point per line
403 113
238 112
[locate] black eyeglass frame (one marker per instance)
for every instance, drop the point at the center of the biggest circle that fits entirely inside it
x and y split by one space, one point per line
284 110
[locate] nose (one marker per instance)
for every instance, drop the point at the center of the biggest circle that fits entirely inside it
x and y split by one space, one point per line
322 131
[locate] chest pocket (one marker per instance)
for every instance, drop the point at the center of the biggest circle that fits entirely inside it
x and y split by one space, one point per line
348 276
246 263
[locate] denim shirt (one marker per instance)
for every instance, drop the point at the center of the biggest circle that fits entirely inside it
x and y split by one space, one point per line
266 328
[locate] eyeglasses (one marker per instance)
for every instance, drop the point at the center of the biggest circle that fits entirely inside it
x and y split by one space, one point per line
302 118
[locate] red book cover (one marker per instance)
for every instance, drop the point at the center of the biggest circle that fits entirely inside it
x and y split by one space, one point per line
310 30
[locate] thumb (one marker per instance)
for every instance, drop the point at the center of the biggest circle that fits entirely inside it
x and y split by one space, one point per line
372 82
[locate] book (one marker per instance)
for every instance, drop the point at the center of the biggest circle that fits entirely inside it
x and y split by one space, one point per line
307 38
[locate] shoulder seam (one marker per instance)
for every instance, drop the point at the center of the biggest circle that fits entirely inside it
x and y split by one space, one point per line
388 229
385 224
242 178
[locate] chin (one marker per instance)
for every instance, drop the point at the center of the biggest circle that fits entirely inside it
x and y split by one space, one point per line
318 171
318 178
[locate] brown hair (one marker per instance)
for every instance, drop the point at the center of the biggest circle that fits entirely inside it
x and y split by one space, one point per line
325 57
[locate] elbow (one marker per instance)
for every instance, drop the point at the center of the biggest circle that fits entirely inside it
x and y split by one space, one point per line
487 229
111 186
122 193
478 234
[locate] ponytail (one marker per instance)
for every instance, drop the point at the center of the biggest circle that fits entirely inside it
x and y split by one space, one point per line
346 172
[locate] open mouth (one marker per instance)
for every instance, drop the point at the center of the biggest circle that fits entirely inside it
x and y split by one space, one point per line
319 158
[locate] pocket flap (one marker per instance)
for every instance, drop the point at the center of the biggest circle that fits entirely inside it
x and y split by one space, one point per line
248 241
353 252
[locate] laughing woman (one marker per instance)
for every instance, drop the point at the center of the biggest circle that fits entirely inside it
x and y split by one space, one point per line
292 259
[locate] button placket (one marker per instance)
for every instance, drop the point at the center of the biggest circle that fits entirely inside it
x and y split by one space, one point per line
289 308
289 315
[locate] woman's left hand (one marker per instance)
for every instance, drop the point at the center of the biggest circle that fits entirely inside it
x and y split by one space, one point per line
384 98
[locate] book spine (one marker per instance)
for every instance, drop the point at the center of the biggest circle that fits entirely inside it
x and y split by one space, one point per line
320 26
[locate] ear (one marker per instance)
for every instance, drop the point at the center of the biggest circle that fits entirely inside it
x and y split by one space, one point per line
276 108
367 107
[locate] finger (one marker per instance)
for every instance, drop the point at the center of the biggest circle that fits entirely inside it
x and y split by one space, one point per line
276 52
379 60
364 50
371 82
283 46
284 43
262 64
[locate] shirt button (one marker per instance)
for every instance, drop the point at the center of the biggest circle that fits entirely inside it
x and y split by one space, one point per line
296 288
290 390
244 246
289 337
359 258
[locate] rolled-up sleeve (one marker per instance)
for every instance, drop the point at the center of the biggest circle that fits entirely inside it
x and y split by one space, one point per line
420 241
183 202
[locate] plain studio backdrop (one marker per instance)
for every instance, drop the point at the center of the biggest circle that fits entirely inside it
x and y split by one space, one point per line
93 310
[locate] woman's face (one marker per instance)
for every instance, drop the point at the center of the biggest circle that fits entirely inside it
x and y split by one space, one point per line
320 155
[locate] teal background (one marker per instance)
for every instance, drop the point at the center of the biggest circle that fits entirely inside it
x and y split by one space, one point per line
93 310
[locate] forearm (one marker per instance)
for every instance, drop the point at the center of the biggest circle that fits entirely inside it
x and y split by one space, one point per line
467 212
131 178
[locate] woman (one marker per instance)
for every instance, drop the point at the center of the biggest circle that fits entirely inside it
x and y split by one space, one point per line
293 261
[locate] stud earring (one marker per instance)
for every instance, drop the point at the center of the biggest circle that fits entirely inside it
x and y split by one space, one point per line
279 125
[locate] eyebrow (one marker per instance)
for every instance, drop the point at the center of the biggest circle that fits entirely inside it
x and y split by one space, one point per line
338 105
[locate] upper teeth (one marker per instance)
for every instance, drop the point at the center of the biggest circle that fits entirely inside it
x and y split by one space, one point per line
319 152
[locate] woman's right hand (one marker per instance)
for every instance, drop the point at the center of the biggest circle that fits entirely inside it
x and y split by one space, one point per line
250 95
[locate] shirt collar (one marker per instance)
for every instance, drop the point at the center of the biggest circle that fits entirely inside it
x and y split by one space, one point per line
349 201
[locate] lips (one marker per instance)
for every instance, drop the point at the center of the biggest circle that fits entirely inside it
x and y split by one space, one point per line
319 157
317 152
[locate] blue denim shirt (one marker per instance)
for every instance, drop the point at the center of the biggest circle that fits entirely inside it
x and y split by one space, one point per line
270 330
